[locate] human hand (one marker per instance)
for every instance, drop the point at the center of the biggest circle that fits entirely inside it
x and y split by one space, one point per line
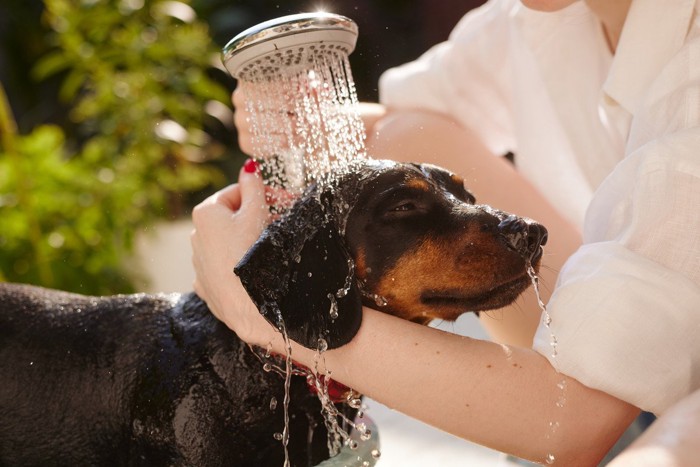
242 120
274 125
225 226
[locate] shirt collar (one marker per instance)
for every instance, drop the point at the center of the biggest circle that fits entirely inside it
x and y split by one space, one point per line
653 32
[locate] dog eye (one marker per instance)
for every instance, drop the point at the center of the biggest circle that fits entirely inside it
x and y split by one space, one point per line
404 207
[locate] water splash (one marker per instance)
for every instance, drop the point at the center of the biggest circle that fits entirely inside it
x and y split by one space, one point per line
306 129
339 426
304 121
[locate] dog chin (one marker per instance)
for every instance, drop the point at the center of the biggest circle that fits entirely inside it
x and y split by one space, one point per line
450 304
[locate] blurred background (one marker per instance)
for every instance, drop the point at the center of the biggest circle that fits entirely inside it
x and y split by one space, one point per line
115 119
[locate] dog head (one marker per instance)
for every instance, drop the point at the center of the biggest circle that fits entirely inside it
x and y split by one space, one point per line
407 239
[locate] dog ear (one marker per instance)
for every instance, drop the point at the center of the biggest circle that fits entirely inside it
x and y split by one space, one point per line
301 277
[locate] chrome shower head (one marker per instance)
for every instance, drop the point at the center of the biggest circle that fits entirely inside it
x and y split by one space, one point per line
288 41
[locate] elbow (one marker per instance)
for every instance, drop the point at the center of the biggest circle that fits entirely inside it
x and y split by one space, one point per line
592 432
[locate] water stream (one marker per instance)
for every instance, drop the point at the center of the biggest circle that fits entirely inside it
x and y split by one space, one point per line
305 127
561 385
304 120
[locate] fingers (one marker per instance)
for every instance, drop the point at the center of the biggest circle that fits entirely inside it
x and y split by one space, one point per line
242 121
241 117
279 197
252 186
230 197
238 97
269 131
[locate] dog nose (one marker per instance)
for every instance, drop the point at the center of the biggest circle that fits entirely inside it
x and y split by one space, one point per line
523 235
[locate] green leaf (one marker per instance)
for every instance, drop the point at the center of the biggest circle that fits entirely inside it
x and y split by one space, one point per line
49 65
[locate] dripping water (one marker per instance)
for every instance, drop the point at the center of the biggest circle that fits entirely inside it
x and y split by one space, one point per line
283 437
561 385
337 424
339 427
306 129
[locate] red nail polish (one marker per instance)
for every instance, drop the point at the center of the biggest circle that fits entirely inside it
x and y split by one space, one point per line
250 166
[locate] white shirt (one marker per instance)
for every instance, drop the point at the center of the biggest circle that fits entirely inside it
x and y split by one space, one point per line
614 144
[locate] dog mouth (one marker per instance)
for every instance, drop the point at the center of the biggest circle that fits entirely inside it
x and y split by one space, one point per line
537 255
495 297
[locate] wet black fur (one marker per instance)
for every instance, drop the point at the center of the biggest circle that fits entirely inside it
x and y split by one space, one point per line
139 380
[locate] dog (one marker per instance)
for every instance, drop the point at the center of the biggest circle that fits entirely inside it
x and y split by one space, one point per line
158 380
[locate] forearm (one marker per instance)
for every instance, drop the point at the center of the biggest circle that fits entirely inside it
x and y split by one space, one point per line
501 397
671 441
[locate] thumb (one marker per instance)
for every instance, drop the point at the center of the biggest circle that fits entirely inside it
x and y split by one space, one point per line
252 187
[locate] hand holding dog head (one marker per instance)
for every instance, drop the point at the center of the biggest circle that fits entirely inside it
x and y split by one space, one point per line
300 275
226 225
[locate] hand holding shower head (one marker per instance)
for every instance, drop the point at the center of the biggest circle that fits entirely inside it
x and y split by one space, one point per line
300 96
301 101
287 42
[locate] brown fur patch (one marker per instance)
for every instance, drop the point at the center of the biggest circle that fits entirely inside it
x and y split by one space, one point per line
418 184
361 264
466 266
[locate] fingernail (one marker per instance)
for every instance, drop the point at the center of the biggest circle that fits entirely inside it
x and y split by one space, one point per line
250 166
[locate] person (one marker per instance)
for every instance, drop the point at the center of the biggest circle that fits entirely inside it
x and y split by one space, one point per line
599 100
671 441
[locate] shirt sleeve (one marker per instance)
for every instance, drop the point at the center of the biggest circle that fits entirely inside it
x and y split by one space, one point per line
465 77
626 309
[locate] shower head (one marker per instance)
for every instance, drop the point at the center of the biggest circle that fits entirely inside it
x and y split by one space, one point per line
288 41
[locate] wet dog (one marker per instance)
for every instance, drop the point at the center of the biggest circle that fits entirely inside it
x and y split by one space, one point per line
157 380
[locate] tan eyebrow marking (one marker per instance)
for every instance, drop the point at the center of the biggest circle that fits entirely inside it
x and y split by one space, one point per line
419 184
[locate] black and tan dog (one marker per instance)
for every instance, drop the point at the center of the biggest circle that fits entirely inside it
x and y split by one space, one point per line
157 380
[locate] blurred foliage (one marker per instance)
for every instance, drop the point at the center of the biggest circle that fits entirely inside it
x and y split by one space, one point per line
135 71
56 227
136 77
115 103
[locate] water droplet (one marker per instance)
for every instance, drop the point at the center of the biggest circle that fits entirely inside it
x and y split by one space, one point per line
334 306
355 403
322 345
277 436
366 435
550 459
380 301
273 403
267 366
352 444
376 453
